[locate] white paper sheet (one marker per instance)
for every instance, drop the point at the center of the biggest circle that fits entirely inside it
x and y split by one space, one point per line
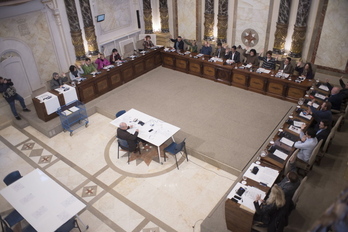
295 129
315 105
320 96
324 87
264 175
280 154
308 116
287 142
298 124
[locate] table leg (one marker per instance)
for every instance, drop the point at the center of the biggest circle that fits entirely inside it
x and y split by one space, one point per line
83 224
159 155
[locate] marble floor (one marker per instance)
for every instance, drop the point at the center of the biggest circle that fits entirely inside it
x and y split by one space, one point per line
141 196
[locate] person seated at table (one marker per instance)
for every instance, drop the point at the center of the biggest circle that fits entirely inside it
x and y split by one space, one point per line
324 112
101 61
147 43
305 71
286 66
323 131
306 144
57 81
251 57
87 66
132 139
336 96
266 211
75 73
178 43
192 45
115 56
289 184
268 61
233 55
220 51
206 49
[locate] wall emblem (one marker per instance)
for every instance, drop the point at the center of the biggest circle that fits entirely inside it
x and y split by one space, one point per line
250 37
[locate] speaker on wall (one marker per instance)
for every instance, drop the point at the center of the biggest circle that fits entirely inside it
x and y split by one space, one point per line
138 18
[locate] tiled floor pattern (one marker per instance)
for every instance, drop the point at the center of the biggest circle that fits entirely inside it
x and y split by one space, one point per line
140 196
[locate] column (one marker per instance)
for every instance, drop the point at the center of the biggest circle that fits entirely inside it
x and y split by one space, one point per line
209 20
75 31
147 16
282 26
299 35
222 21
89 27
164 16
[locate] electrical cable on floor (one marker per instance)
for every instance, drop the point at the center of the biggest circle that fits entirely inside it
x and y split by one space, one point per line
194 226
211 170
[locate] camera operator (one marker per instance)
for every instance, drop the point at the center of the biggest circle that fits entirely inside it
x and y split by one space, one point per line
10 94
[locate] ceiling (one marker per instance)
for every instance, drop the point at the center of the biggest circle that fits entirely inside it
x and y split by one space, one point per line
12 2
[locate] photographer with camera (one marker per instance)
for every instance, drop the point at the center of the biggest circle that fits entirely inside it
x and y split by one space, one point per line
10 94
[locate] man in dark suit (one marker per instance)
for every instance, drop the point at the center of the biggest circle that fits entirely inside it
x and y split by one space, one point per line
233 55
132 139
286 66
178 43
289 184
220 51
336 96
323 113
323 131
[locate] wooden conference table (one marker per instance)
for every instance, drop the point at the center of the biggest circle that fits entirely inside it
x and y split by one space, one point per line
41 201
152 130
239 215
106 81
232 75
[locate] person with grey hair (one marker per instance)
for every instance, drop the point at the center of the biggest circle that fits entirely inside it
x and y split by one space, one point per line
132 139
57 81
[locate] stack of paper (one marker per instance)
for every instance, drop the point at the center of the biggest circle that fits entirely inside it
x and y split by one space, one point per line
280 154
324 87
287 142
73 109
265 175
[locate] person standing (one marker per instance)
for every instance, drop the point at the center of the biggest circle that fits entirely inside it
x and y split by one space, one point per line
10 94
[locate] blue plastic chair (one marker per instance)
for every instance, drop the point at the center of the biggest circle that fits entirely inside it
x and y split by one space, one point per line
119 113
69 225
10 220
12 177
174 148
124 145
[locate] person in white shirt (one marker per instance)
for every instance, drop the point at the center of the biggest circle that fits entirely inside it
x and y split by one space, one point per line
307 144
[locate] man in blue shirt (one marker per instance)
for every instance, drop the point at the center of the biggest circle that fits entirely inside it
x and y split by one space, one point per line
206 49
307 144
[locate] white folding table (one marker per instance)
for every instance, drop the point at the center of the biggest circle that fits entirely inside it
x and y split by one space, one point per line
153 130
42 201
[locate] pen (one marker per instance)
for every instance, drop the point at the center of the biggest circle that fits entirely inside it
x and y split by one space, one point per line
263 184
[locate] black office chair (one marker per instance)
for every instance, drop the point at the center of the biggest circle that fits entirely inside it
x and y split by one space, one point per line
12 177
174 148
119 113
68 226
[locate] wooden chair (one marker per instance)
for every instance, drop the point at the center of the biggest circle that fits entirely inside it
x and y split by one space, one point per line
306 167
298 192
287 165
325 147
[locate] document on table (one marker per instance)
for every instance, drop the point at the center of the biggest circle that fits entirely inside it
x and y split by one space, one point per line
298 123
248 197
287 142
315 105
280 154
324 87
51 102
265 175
308 116
294 129
320 96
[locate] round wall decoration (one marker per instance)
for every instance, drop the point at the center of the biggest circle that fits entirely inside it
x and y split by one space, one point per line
250 37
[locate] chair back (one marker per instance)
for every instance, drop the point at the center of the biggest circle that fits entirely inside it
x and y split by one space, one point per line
68 226
328 141
337 124
120 113
299 191
123 143
287 165
179 146
12 177
315 153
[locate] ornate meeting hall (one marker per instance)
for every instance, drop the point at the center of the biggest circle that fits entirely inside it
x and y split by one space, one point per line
215 96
